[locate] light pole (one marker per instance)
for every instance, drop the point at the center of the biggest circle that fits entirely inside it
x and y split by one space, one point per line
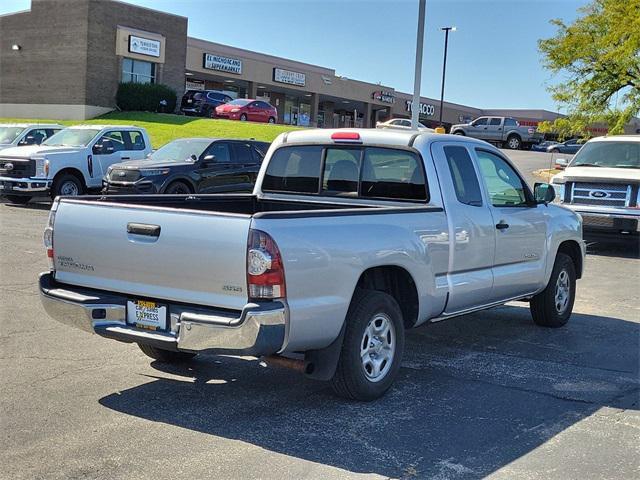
415 106
444 66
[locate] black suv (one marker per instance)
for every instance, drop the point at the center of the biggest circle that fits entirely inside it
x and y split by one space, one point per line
202 103
190 165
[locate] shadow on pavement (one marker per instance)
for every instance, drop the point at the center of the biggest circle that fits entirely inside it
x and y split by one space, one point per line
474 394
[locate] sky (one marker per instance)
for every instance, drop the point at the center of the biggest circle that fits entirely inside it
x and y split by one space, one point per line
493 60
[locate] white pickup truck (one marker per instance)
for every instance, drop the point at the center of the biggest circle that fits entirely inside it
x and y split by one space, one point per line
70 162
349 238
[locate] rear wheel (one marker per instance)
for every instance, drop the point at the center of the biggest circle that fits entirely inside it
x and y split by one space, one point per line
67 185
372 347
18 199
178 188
459 132
166 356
553 306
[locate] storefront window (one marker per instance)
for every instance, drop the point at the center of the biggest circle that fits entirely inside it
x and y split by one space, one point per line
137 71
296 113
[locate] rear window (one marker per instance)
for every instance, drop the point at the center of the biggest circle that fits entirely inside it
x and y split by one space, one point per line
365 172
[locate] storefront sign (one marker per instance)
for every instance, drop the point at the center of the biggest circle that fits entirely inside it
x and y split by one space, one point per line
222 64
194 85
425 108
144 46
384 96
291 78
326 80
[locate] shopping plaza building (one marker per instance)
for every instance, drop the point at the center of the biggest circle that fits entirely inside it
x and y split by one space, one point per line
64 59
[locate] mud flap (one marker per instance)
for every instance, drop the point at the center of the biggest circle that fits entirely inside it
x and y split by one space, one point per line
321 364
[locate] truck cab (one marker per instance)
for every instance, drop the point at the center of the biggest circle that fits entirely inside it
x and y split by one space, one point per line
21 134
71 162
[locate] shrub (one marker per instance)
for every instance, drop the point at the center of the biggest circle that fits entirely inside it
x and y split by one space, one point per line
146 97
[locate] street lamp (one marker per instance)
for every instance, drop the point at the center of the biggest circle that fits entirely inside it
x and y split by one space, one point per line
444 66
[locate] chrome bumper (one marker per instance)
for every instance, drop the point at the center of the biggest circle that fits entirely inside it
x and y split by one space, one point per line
24 185
612 219
260 329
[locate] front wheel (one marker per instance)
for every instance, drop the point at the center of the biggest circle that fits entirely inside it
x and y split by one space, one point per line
18 199
553 306
166 356
178 188
372 348
514 142
243 118
272 120
67 185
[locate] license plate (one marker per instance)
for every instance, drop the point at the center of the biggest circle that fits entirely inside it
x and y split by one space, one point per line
189 100
146 315
7 186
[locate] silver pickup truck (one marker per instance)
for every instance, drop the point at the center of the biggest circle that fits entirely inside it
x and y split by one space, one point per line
502 131
349 238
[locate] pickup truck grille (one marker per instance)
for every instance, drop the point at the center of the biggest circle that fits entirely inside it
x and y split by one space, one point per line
11 167
602 194
124 175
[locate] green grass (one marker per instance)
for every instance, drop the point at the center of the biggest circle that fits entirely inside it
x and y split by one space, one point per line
166 127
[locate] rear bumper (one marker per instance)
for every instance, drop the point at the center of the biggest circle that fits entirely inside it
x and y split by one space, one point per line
24 186
259 329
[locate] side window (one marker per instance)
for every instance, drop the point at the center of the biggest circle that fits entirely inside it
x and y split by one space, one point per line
221 151
136 140
392 174
113 139
465 181
341 171
495 121
405 123
480 121
510 122
242 153
504 185
294 169
34 137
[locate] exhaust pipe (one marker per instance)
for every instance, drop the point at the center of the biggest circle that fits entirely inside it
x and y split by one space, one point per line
284 362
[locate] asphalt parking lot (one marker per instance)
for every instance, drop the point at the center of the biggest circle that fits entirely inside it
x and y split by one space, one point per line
485 395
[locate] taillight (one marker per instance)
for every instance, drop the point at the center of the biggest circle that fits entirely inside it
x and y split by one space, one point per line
48 234
342 136
265 271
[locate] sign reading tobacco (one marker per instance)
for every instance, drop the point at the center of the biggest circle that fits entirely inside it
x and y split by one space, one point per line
222 64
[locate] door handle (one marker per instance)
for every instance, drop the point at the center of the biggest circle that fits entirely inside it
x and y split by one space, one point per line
143 229
125 158
502 225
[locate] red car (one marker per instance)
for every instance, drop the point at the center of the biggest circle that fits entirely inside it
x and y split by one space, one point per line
244 109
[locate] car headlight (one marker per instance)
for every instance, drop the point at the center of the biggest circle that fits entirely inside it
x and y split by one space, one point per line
559 188
42 167
152 172
235 110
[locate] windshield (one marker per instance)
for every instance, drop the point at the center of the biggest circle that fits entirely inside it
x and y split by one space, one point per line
608 154
180 150
9 134
240 101
72 137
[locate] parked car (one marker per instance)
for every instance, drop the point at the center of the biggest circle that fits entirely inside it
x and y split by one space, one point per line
190 165
349 238
244 109
202 103
542 146
602 184
20 134
71 162
570 146
503 131
402 124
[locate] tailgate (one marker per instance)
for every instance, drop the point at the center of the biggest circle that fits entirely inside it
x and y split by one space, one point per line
193 257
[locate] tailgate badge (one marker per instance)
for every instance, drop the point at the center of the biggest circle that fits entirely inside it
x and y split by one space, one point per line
232 288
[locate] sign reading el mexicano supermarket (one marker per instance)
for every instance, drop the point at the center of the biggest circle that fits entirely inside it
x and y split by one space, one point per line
291 78
222 64
144 46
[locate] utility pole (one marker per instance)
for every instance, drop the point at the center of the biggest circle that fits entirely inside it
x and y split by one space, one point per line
444 67
415 107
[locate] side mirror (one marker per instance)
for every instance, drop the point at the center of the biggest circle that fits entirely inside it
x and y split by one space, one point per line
28 140
543 193
98 149
208 159
561 163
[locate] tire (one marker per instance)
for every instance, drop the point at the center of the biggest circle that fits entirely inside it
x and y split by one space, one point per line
243 117
357 376
68 185
514 142
459 132
272 120
166 356
18 199
554 150
178 188
553 306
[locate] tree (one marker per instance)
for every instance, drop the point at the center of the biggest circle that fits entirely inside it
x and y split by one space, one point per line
598 57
